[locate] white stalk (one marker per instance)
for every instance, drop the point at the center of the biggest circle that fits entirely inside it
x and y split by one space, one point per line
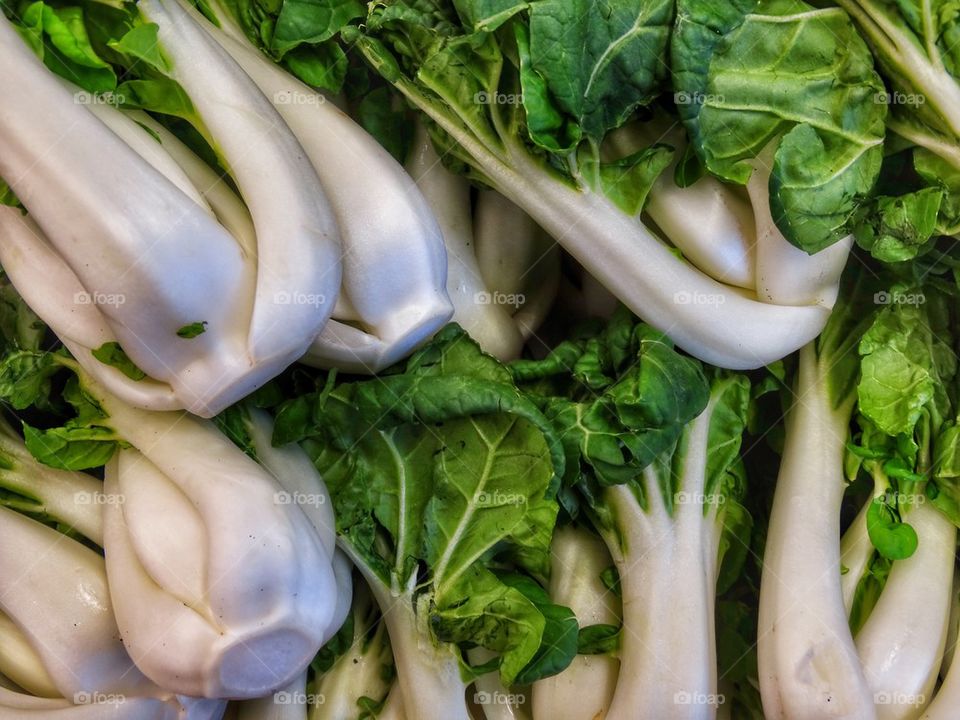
710 223
183 600
148 254
667 569
393 707
495 701
704 317
55 591
583 690
952 630
20 662
475 309
785 274
809 669
856 551
901 644
516 259
394 262
298 243
428 675
18 706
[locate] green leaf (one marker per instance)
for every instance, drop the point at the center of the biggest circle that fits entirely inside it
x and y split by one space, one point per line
112 354
893 539
895 229
600 61
192 330
747 73
140 44
58 36
25 378
558 645
488 15
598 640
627 181
311 22
380 116
73 447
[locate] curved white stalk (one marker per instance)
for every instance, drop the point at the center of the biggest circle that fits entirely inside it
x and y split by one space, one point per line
667 567
785 274
55 590
394 261
709 222
487 322
148 253
809 669
18 706
20 662
428 676
516 258
495 701
856 550
214 188
583 690
947 699
704 317
901 644
393 707
952 629
183 600
298 243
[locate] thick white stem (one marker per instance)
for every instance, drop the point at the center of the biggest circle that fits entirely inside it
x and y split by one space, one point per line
55 590
706 318
809 668
583 691
481 313
394 263
785 274
20 662
428 674
710 223
668 582
298 242
855 553
901 645
495 701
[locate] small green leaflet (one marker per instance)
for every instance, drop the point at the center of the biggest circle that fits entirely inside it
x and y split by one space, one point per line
192 330
112 354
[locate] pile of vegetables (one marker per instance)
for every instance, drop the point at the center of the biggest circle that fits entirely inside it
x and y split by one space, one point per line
479 359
